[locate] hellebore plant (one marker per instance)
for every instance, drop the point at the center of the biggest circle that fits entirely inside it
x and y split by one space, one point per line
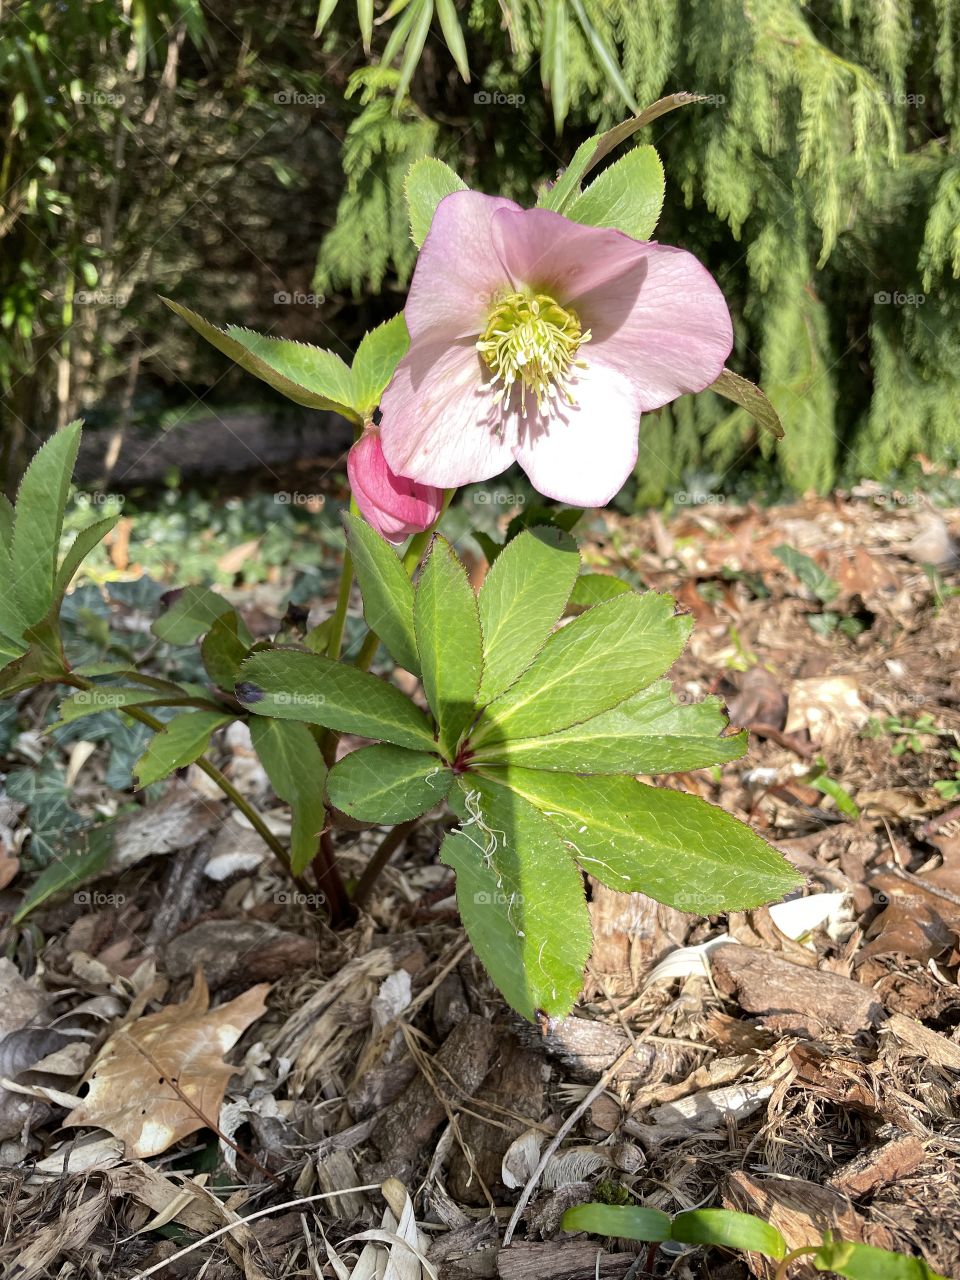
541 336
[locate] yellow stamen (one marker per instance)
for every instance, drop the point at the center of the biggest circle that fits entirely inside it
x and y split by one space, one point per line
532 340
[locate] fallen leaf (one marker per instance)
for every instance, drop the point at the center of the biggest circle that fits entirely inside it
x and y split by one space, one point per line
826 707
132 1093
9 866
760 700
232 561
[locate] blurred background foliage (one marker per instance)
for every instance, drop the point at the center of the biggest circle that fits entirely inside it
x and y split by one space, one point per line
248 159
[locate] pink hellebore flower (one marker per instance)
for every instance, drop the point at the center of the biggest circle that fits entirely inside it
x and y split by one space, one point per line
538 339
391 504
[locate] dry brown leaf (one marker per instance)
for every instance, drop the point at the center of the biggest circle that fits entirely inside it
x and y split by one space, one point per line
826 707
232 561
9 866
132 1093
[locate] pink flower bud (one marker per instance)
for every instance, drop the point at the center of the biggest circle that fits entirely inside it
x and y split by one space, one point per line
393 505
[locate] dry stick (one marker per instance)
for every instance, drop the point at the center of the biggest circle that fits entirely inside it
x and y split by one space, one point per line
208 1123
558 1137
243 1222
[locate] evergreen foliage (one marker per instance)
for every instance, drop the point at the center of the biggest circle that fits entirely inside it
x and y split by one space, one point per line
820 180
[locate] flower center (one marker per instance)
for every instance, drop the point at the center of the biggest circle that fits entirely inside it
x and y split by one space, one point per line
532 340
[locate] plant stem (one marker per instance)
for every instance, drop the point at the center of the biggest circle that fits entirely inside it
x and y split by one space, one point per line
335 643
330 882
388 846
367 650
212 772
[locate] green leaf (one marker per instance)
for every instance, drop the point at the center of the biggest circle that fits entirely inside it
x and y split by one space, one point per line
317 639
809 572
422 11
192 612
386 590
605 56
530 515
307 375
42 660
521 897
38 520
378 355
453 36
675 847
387 784
628 1221
520 602
290 685
80 548
324 14
447 627
408 12
6 521
183 740
294 764
838 793
44 790
648 733
594 588
867 1262
554 61
90 702
732 1230
427 182
224 648
749 396
86 859
365 16
590 153
323 374
602 657
628 195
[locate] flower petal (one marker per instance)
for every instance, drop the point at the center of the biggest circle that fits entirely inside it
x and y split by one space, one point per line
440 425
458 271
663 323
583 454
391 504
544 250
